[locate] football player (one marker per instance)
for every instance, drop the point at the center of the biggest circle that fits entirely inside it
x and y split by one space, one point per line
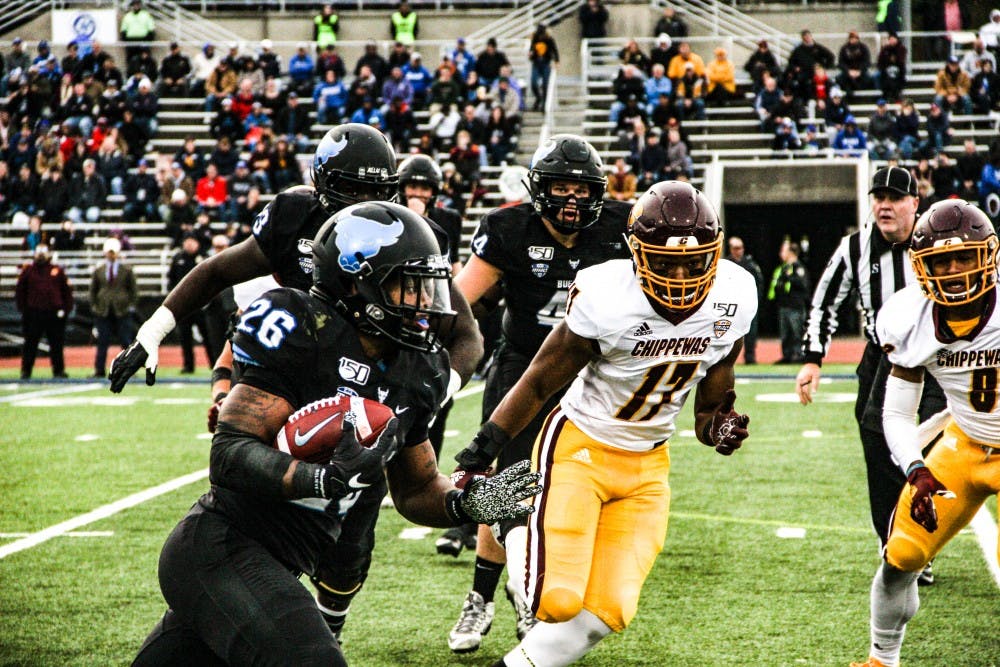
638 336
946 325
369 327
353 163
534 251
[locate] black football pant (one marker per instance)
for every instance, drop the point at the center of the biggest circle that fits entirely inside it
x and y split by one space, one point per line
35 324
885 478
507 368
232 603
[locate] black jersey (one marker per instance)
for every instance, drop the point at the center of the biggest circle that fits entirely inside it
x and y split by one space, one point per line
450 221
293 345
285 230
537 270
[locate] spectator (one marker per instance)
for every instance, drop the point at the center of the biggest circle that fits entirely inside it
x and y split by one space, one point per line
211 192
35 236
398 56
887 17
68 237
465 156
803 59
226 122
670 24
6 184
109 74
631 54
946 178
369 114
420 80
627 84
663 112
397 86
300 70
328 60
44 298
488 63
53 195
678 64
325 26
854 61
927 196
766 101
464 60
205 63
882 132
294 123
244 99
621 182
273 98
836 111
444 126
184 260
141 195
630 114
907 129
948 17
330 97
112 103
224 156
892 67
475 126
972 57
924 170
985 89
191 159
78 110
257 124
137 25
174 72
720 75
221 83
445 64
652 165
938 130
145 106
657 84
444 92
790 292
88 193
850 141
374 61
761 62
403 25
662 52
252 73
143 64
24 191
819 94
509 99
690 96
268 62
284 170
244 194
17 60
133 135
178 214
400 124
260 165
990 31
113 299
593 18
970 165
678 161
739 256
499 135
786 138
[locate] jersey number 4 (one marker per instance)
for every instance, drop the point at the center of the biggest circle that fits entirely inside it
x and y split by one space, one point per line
269 325
682 372
983 392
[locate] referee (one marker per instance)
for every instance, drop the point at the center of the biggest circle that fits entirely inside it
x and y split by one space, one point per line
873 261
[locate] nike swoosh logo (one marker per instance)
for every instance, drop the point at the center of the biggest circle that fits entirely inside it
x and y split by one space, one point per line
400 409
302 438
356 483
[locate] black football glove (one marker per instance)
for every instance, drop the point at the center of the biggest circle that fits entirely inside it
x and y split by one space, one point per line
492 499
354 467
125 365
728 428
925 487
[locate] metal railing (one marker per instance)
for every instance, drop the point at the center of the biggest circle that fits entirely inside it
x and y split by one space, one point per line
183 24
722 19
522 23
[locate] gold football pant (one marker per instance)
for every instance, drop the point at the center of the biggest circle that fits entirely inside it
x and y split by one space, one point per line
599 524
966 467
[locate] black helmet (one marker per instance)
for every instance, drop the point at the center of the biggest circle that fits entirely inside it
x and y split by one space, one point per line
380 265
354 163
423 170
567 157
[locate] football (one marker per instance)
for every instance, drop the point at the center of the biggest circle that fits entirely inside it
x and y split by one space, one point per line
313 432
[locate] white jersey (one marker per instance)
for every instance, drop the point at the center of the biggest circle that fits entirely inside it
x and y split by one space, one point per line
967 370
630 396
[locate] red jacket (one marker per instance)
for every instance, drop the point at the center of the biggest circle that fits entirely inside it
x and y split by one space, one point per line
43 286
211 188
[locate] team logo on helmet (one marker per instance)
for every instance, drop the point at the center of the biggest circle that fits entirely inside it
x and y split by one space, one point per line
361 236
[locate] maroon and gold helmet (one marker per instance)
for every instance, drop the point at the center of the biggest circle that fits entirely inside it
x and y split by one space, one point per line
674 224
954 226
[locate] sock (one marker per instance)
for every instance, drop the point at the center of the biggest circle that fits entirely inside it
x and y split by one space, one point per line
894 601
558 644
487 578
516 545
334 605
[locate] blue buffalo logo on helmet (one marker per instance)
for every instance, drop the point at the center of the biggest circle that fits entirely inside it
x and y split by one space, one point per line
359 239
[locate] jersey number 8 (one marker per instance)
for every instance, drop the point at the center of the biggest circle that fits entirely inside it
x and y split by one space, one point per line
983 392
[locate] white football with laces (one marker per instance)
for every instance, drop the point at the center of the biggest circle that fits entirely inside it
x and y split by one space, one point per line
313 432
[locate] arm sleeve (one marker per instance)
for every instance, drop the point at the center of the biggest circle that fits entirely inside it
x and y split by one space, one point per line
831 291
899 419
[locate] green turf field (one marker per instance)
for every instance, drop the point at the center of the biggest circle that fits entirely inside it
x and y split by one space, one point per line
727 589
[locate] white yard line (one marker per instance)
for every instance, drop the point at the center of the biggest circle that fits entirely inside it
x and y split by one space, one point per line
985 528
13 398
470 391
104 512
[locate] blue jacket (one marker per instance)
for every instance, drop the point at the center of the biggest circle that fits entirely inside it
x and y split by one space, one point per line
330 95
300 68
418 77
850 144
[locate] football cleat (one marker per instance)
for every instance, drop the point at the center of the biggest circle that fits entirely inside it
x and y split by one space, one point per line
475 621
525 619
926 577
450 543
870 662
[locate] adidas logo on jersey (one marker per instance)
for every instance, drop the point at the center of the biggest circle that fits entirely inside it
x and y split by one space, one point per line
583 456
642 330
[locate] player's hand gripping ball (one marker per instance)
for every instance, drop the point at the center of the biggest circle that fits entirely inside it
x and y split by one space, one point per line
313 432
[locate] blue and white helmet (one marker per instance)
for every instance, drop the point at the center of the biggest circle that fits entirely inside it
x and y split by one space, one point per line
354 163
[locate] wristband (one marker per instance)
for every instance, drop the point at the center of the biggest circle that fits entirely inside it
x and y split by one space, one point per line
453 507
222 373
914 466
156 328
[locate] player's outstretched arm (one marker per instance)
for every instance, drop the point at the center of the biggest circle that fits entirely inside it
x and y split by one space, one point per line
717 424
561 357
242 262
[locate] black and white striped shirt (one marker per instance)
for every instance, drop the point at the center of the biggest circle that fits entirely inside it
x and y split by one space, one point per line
864 261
